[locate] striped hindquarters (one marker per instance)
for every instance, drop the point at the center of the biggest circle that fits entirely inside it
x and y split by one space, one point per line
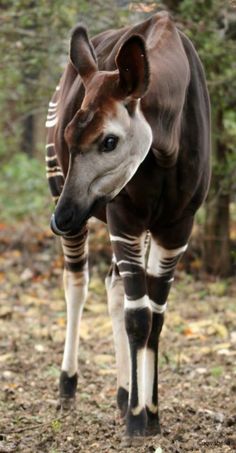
53 169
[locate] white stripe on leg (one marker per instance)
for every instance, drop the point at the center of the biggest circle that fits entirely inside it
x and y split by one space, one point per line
141 354
137 304
150 365
75 284
157 257
115 295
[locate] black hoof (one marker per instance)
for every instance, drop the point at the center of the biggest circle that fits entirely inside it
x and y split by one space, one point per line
67 385
136 424
153 424
66 404
153 430
122 401
134 441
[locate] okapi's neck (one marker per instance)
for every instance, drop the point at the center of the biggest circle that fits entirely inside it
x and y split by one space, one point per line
71 95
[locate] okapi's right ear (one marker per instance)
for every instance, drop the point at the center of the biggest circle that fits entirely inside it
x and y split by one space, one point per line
82 53
133 67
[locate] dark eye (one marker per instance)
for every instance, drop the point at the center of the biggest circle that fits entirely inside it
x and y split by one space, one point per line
109 143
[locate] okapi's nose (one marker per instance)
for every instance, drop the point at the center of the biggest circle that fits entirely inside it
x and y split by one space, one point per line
61 224
55 229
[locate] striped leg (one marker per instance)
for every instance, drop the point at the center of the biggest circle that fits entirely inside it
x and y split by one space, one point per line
75 285
115 295
160 271
130 260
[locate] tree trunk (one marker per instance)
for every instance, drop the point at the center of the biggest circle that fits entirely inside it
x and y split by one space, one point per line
217 224
216 236
28 135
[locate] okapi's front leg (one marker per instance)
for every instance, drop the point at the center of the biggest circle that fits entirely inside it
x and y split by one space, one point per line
160 270
75 285
130 260
115 296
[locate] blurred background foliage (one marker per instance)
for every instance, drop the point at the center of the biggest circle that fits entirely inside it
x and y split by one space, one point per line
33 48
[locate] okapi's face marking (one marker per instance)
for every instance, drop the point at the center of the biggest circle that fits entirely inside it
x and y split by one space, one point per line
108 137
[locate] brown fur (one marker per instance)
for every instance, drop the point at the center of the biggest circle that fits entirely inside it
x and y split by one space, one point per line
147 161
176 105
164 100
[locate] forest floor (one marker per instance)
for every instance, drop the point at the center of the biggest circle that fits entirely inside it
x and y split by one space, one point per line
197 358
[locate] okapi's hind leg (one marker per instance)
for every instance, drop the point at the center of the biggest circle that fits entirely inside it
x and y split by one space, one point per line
75 286
137 314
160 270
115 296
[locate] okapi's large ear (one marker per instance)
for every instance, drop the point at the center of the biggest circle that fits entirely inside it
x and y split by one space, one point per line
82 53
133 67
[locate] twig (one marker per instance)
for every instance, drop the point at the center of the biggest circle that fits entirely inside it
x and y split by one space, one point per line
26 428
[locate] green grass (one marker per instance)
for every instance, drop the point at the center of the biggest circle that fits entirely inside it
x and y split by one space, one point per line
24 190
217 371
56 425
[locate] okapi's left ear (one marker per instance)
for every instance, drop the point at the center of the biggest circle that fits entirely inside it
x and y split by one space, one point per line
133 67
82 53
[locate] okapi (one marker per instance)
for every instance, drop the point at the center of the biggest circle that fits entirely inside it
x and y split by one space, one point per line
128 143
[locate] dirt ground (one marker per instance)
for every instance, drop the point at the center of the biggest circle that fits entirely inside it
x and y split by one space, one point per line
197 358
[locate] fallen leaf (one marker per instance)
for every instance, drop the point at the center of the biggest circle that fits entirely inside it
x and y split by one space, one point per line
3 226
226 352
26 275
39 348
188 332
61 322
5 357
233 336
158 450
217 328
201 370
5 313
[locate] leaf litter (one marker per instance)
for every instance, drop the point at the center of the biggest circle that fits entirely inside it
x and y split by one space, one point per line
197 357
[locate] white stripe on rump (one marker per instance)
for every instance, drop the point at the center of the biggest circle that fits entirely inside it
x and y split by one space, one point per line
51 123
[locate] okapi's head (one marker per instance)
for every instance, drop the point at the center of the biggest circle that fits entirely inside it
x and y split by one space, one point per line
108 137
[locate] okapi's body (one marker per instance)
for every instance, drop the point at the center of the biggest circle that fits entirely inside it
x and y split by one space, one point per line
129 133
